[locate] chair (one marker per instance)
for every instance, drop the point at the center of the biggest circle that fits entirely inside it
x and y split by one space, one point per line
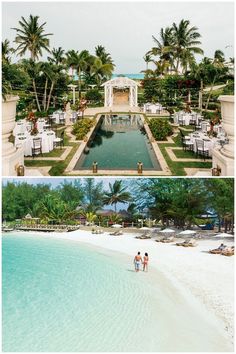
181 120
61 118
193 121
204 126
74 117
201 149
116 233
168 239
37 147
187 144
59 141
181 133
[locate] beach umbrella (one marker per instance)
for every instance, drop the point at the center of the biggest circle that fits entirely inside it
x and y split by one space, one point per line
117 226
187 232
223 234
167 230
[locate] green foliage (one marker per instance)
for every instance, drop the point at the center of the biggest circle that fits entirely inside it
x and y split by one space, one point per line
82 127
160 128
13 78
117 194
216 115
229 89
93 95
19 199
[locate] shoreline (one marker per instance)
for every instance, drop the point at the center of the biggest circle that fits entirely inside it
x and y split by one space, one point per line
201 280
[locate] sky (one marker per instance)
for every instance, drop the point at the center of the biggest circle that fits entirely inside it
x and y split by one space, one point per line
124 28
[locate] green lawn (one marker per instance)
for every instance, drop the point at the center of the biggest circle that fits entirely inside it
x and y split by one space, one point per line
177 168
54 153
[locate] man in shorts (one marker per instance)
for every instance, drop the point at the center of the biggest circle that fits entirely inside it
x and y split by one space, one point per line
137 262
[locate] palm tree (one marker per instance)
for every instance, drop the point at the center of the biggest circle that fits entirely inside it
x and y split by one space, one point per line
147 58
185 39
164 46
78 61
117 194
33 69
101 53
6 51
219 56
30 36
100 72
53 208
57 56
54 73
46 69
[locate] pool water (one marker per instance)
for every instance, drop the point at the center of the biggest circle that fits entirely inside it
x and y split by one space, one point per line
61 296
119 142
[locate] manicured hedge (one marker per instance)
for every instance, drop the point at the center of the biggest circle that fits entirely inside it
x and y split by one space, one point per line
160 128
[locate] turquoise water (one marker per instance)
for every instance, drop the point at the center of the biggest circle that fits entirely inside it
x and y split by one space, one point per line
119 143
139 76
60 296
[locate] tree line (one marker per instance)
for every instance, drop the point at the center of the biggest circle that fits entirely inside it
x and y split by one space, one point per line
48 79
179 202
174 54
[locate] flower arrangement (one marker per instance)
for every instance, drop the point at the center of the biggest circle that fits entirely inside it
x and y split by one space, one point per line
33 120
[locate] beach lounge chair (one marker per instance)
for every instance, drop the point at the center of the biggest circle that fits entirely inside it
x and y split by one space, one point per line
116 233
218 250
159 239
187 243
97 231
144 236
228 251
168 239
190 243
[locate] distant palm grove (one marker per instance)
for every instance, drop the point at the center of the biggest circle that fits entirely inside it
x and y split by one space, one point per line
172 75
165 201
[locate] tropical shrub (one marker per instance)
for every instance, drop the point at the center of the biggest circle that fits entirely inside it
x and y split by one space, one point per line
93 95
160 128
82 127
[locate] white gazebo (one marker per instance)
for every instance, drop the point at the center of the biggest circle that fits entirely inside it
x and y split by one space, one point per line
121 83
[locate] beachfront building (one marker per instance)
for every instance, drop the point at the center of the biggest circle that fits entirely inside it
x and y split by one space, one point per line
120 91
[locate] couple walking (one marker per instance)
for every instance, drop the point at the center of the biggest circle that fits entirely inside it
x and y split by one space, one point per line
138 261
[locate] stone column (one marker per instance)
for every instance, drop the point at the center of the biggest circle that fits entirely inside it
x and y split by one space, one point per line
227 112
11 157
68 115
223 158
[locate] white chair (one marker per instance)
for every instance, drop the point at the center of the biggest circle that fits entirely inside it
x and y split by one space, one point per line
201 148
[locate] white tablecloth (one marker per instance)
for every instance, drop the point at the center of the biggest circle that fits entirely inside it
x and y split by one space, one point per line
56 116
152 108
186 117
22 126
27 141
209 143
40 124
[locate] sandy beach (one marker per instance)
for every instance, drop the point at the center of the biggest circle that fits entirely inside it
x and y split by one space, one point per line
207 277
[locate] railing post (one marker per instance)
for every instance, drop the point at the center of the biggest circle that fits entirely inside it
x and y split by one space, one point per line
140 167
95 167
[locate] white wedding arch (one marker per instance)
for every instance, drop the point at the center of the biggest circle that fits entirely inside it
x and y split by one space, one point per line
120 83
